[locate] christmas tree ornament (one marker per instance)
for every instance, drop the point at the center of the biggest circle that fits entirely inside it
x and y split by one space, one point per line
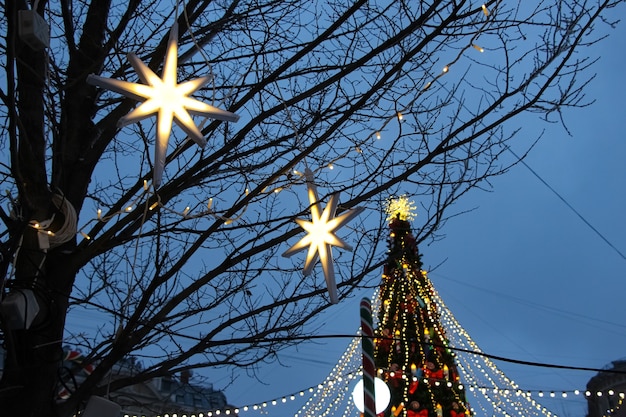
400 207
164 96
321 235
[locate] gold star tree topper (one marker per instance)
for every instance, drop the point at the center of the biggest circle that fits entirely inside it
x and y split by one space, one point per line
321 235
400 207
164 96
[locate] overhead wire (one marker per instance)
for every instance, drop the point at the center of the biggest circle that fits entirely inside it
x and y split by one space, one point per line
532 303
245 340
571 207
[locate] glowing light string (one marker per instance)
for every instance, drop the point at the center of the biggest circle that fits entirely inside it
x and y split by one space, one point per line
344 380
330 396
399 114
491 390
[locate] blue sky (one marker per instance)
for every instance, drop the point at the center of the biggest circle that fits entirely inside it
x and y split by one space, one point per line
522 273
525 276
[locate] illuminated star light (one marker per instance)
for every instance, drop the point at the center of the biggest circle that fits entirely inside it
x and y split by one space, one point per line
402 207
321 235
165 97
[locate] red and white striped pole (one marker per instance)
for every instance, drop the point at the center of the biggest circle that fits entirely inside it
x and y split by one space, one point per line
369 370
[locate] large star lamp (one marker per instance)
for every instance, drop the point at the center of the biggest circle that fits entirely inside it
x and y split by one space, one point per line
164 96
321 235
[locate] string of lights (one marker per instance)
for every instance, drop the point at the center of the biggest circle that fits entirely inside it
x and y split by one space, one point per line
334 389
468 350
493 392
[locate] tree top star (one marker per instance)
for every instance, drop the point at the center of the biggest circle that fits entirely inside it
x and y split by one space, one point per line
164 96
321 235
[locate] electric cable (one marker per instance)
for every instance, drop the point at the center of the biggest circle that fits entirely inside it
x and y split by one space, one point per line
580 216
249 340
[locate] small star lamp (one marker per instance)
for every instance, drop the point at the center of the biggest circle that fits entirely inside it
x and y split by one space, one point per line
164 96
320 235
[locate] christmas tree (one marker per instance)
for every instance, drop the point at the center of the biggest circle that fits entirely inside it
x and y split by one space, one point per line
411 348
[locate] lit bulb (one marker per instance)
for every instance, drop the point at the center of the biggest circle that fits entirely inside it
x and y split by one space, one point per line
383 395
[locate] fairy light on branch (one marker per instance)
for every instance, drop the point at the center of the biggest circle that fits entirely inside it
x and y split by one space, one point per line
148 194
478 48
187 213
446 69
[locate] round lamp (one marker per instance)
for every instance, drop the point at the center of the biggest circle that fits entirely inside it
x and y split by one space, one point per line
382 395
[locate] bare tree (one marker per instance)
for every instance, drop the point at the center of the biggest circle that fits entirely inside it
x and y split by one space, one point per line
401 97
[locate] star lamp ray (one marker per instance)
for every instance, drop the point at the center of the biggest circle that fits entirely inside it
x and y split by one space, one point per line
321 235
165 97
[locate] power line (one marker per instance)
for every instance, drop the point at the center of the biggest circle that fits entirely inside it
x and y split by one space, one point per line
531 303
580 216
253 340
473 352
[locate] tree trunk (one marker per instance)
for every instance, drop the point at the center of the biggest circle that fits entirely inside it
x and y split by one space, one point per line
33 354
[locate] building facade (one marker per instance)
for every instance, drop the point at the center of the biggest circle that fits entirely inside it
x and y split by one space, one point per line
173 394
606 391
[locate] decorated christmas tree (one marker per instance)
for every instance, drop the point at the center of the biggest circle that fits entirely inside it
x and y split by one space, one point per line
411 348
